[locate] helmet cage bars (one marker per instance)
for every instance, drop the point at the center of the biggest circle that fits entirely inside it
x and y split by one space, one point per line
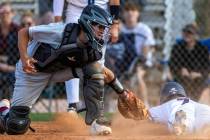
104 35
93 14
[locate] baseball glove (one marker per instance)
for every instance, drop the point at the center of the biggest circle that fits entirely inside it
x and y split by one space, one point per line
132 107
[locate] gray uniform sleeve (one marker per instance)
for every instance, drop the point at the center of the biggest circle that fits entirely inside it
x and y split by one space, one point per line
51 33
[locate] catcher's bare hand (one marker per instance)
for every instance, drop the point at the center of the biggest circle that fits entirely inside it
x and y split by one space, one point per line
28 65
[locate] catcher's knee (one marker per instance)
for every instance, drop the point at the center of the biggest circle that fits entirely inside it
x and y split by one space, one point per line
94 76
18 120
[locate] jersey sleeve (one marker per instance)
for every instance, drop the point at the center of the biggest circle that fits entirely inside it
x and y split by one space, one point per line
58 6
51 33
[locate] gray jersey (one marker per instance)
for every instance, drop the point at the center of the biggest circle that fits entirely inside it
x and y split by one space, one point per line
55 51
50 34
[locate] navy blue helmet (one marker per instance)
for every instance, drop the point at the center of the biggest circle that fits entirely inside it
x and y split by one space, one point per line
170 90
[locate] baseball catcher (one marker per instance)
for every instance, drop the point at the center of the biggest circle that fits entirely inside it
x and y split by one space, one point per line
58 52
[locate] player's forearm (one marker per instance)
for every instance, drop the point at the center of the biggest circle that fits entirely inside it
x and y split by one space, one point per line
23 40
114 6
108 75
57 18
112 81
115 9
116 86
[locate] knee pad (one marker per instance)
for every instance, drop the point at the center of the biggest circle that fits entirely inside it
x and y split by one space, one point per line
94 78
18 120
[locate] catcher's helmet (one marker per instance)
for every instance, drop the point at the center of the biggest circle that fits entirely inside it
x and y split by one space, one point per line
93 14
170 90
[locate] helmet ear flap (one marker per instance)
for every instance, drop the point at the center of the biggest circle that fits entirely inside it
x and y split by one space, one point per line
81 23
84 25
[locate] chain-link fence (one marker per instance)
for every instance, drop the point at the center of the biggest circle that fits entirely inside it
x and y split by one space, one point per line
186 47
155 50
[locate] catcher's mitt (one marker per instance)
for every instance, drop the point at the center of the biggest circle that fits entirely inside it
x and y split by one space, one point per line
132 107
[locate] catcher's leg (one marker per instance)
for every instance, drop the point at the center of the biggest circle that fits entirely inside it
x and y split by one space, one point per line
93 96
72 86
27 89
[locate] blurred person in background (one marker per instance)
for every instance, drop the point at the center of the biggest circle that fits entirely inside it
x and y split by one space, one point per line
206 42
189 63
137 39
141 3
27 20
8 49
72 13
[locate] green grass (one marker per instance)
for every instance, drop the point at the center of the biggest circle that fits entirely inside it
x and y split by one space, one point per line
50 116
42 116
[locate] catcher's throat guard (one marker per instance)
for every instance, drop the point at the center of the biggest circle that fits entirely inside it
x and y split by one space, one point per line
52 58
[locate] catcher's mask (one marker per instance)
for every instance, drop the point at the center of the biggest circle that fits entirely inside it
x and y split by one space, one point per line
96 24
171 90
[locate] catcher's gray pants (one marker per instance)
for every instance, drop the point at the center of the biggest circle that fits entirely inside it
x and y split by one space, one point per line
28 87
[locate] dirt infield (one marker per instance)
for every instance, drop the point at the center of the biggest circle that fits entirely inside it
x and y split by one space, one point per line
67 128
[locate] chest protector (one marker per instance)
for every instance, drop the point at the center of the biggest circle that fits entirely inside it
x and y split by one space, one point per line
68 54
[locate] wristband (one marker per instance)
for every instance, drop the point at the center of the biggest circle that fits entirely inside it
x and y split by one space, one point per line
116 86
114 11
